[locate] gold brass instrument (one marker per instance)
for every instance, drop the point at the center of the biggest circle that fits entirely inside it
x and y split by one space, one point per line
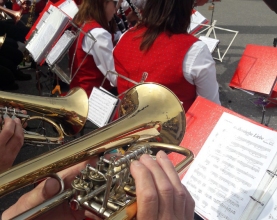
66 114
31 17
2 40
15 15
152 118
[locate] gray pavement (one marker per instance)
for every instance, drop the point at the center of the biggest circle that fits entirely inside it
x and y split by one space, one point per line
256 24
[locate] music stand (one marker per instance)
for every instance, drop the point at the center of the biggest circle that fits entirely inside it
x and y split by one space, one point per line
210 31
256 74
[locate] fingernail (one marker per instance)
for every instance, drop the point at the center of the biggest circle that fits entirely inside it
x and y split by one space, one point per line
136 163
147 157
163 155
17 120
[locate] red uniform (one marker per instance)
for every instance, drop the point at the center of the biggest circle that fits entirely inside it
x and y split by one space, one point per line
88 74
163 63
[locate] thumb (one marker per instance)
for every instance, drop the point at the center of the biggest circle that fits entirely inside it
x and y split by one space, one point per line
44 191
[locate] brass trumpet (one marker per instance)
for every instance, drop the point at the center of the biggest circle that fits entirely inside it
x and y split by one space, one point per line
15 15
152 118
66 114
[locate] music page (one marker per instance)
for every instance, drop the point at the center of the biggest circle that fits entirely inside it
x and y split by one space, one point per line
210 42
197 19
101 107
60 47
229 167
69 7
50 29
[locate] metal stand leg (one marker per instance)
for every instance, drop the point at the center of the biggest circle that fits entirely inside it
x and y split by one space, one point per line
263 102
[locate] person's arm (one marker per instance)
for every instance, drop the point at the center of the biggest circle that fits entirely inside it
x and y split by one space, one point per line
199 69
11 141
102 52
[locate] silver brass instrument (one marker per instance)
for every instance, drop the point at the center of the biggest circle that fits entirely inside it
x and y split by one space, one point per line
66 114
152 118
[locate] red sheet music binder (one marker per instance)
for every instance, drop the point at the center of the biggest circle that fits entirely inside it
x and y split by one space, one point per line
201 118
257 70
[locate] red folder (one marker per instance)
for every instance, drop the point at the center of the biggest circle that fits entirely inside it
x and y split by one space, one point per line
201 118
257 70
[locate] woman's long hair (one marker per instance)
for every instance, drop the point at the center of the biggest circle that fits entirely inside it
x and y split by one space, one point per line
94 10
168 16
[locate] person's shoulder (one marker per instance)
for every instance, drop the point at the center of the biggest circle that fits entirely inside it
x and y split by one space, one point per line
100 32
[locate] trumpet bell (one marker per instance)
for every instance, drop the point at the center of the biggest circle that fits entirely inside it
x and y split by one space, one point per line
67 114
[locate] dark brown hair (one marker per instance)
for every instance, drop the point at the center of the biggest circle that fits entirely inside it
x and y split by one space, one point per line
168 16
94 10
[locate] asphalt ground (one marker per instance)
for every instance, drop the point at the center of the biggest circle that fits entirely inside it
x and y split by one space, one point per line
256 24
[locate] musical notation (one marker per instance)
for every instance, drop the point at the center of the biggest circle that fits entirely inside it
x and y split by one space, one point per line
101 107
235 158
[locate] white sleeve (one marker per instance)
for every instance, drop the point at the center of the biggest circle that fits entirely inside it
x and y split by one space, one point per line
199 70
102 52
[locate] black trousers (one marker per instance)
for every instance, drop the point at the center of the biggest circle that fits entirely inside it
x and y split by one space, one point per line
16 31
9 51
6 77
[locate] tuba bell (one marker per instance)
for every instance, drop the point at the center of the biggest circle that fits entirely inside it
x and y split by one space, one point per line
151 118
66 114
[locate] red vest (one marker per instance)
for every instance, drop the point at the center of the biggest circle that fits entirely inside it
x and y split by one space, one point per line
163 63
88 74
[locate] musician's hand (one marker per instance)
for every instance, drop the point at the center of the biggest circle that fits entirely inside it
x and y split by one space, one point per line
46 190
11 141
160 193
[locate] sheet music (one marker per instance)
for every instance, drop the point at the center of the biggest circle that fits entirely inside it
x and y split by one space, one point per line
42 20
60 47
46 35
101 107
210 42
229 167
196 19
38 44
69 7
